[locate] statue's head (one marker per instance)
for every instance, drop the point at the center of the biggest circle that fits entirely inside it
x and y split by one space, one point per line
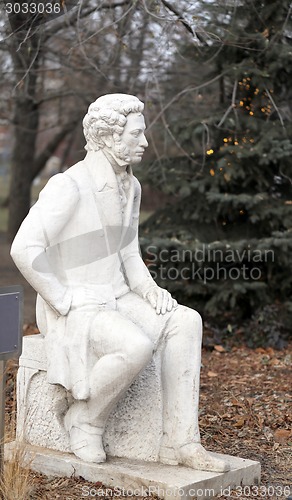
115 122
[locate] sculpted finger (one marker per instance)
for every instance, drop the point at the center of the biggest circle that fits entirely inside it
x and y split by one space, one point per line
152 299
170 304
165 299
159 301
174 303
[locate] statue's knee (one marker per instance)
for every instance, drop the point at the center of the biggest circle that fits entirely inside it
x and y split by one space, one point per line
191 323
195 317
139 352
195 320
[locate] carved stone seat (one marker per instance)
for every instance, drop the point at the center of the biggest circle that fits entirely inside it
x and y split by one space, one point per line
133 430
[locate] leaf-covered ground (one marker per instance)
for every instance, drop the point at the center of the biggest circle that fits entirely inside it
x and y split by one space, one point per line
245 411
246 403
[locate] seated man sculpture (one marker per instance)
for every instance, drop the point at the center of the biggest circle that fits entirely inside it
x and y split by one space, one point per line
101 312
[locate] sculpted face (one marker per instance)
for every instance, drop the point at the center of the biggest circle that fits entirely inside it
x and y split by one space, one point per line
132 143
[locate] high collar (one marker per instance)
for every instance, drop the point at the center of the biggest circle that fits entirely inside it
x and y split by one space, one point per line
119 165
102 172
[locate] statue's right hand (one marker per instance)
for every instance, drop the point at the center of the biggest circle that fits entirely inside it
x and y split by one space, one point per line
91 298
83 297
161 300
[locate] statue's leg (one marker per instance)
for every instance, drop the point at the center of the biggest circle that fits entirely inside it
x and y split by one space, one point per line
178 334
122 350
126 351
181 362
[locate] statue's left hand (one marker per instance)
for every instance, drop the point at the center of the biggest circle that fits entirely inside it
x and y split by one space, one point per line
161 300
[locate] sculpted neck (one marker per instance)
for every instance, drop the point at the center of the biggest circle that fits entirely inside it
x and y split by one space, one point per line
119 166
99 168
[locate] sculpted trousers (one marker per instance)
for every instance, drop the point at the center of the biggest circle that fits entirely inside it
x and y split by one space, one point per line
123 342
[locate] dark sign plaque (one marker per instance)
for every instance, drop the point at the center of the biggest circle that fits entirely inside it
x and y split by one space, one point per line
11 305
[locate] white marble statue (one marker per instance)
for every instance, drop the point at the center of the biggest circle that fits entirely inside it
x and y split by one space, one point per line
102 313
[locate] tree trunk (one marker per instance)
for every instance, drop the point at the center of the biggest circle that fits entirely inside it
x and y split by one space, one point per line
26 125
25 56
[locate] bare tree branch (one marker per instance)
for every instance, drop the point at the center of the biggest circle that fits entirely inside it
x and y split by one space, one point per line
183 92
50 148
82 42
232 105
275 106
169 132
179 15
78 14
31 65
114 5
182 20
58 95
67 20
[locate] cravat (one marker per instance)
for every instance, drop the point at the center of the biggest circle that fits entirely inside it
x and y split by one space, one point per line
123 185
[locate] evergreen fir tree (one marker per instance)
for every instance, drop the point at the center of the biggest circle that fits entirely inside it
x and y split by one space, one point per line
230 224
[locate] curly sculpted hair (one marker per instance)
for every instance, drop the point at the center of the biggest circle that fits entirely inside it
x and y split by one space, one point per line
108 116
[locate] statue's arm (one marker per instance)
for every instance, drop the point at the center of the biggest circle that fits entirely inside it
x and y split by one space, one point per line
139 277
44 222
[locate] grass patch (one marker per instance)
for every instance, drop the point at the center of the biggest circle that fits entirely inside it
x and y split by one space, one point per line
16 482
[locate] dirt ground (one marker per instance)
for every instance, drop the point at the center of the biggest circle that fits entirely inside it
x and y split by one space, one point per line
245 403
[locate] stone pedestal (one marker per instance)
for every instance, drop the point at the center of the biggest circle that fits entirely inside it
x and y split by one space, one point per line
133 430
137 478
131 439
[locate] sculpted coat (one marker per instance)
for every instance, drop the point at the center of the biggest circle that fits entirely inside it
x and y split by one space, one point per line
61 259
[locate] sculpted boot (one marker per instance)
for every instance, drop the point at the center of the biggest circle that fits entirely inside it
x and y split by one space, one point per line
86 443
192 455
85 439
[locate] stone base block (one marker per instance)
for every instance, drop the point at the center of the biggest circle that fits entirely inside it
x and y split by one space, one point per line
133 430
134 477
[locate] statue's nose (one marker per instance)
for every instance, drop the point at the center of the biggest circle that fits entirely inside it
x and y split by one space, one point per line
144 142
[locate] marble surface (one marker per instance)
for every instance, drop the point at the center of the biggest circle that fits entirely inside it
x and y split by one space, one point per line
133 477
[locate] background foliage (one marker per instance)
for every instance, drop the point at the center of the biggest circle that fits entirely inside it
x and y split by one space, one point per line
231 202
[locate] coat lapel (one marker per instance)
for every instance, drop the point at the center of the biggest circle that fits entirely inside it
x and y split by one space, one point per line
103 181
105 189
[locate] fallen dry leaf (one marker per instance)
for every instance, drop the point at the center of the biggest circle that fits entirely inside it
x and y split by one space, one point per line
30 330
235 402
282 435
212 374
274 362
219 348
239 422
260 350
